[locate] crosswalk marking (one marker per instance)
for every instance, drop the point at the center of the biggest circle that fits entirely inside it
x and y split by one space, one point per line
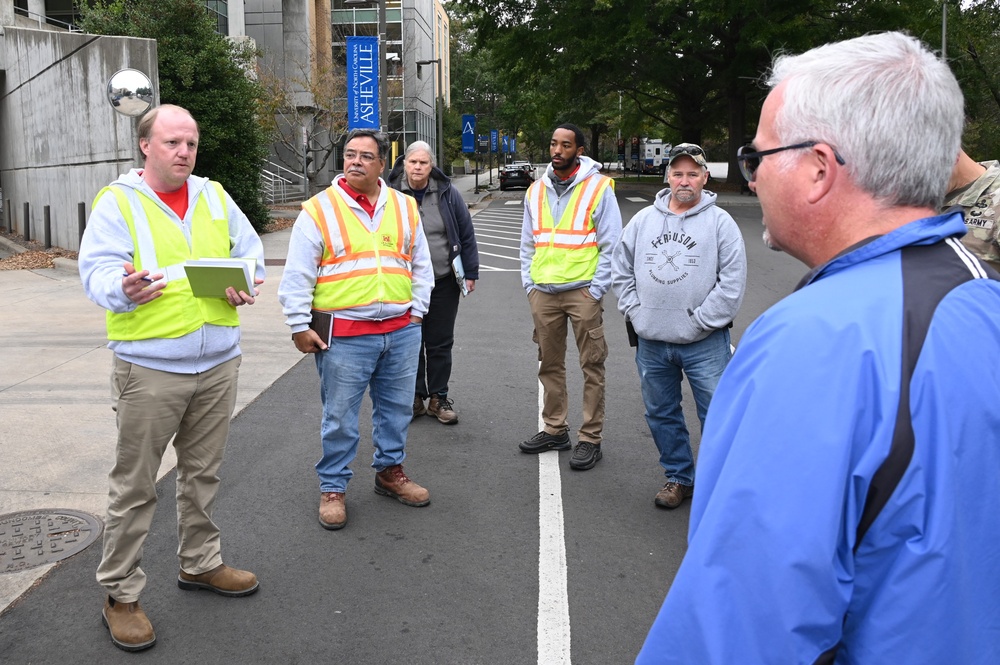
636 199
499 228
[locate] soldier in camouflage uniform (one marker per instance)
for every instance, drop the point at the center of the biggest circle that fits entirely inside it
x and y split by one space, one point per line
976 187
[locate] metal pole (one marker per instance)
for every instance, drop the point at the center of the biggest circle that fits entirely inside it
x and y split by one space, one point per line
81 218
384 80
944 31
440 112
47 227
305 161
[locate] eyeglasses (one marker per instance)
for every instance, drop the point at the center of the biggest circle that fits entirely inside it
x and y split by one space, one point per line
749 160
366 157
685 149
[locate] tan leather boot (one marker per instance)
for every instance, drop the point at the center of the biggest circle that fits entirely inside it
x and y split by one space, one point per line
129 627
393 482
443 409
222 579
332 510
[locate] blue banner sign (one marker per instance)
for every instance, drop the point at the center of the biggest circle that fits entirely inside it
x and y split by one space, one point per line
468 133
494 137
362 83
513 144
504 143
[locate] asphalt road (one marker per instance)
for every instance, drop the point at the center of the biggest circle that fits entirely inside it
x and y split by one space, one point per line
456 582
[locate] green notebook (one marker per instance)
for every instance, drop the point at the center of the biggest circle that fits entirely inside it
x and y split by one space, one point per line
209 278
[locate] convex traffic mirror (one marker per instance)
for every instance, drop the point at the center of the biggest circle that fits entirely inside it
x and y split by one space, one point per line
130 92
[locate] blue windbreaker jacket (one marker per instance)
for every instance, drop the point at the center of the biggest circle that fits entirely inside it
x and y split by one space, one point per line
785 564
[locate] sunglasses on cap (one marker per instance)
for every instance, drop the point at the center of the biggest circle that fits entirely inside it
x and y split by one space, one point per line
749 159
686 149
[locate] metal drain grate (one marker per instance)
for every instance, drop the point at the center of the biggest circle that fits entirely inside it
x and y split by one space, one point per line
36 538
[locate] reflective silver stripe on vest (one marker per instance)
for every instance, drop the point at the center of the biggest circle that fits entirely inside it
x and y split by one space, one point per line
144 235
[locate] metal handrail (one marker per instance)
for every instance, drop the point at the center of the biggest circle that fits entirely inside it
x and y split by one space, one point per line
40 18
279 168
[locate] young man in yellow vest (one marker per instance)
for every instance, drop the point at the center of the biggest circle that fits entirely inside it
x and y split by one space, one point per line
176 360
571 225
358 252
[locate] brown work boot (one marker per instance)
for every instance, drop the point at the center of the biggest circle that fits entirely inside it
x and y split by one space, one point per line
129 627
673 495
441 408
332 510
393 482
222 579
418 406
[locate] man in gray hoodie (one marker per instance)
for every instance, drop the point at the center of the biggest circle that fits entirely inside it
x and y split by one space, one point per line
679 270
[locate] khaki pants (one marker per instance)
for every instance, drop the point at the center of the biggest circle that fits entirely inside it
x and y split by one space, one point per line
549 312
153 407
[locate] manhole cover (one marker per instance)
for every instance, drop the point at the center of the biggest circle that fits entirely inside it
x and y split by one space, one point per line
36 538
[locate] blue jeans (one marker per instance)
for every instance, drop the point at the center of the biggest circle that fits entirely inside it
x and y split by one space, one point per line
661 365
386 365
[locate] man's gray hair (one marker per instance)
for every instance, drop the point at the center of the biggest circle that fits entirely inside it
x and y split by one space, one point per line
420 146
381 140
889 107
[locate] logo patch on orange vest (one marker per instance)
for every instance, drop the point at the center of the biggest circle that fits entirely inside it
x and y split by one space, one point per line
387 241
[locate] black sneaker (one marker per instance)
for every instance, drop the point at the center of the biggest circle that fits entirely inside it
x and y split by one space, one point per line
585 456
544 441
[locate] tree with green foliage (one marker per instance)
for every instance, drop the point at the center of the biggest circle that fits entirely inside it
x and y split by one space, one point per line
973 50
207 74
689 67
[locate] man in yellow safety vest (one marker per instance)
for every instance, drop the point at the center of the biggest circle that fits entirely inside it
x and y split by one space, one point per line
571 225
176 360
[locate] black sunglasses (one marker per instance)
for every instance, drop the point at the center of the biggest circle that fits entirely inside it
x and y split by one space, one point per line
749 159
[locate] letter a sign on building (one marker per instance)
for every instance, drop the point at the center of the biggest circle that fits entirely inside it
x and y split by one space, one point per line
362 83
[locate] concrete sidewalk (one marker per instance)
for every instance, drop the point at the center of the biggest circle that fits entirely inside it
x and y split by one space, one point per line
57 429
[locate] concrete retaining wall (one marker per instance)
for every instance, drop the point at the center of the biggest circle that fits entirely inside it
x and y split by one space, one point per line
61 141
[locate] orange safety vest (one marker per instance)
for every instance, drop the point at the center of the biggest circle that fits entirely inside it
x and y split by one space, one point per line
566 252
360 267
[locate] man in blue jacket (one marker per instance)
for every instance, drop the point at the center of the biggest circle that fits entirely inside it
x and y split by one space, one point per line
848 507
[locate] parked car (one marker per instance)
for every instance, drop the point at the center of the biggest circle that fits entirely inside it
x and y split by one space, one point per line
516 174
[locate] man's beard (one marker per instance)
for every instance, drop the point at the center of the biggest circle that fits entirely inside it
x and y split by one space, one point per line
766 237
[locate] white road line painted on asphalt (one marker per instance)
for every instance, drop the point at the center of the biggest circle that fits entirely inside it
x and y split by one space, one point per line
507 232
483 268
514 203
553 595
636 199
500 256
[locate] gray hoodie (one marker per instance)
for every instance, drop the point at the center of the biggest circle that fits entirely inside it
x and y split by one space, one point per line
107 246
679 277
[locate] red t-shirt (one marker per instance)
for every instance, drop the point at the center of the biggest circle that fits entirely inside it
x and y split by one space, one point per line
176 201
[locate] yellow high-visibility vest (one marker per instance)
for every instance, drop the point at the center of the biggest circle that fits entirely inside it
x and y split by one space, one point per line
566 252
360 267
160 246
